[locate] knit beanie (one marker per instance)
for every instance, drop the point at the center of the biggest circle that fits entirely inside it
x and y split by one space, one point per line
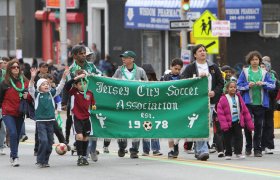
39 82
267 65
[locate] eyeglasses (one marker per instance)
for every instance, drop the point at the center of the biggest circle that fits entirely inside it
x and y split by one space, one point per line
14 67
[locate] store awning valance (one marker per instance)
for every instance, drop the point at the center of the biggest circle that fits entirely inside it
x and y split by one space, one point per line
245 15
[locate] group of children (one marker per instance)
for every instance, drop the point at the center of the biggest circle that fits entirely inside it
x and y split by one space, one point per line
244 104
242 99
232 111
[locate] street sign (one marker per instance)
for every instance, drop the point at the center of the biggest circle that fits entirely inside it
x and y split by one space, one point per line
179 24
221 28
211 44
202 27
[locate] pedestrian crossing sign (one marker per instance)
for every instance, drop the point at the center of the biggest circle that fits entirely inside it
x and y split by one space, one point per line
202 27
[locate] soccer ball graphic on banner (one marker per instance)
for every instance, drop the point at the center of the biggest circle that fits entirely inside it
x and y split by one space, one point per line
61 149
147 125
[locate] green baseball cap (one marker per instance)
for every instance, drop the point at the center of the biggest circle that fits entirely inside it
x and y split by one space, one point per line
128 54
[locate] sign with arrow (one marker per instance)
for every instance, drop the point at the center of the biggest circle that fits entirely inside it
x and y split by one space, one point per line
179 24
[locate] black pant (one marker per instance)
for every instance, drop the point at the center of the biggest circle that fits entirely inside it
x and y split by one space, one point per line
235 132
106 142
135 145
218 135
69 123
268 130
257 113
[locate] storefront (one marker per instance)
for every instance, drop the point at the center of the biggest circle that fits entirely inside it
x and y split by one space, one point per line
160 44
50 27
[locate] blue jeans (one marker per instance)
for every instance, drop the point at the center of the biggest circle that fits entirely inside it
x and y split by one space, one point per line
201 146
2 135
14 125
154 143
45 137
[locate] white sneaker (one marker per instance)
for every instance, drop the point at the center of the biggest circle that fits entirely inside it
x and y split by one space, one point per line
94 156
213 150
268 151
105 150
15 162
240 156
228 158
221 154
2 151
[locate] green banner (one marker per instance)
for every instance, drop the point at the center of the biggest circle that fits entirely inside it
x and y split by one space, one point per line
140 109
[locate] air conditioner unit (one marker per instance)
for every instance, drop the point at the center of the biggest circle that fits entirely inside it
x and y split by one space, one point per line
271 29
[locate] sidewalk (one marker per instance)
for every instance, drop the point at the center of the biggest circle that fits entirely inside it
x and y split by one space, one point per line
277 133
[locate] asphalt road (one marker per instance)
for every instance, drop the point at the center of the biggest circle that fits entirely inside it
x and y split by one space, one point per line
111 167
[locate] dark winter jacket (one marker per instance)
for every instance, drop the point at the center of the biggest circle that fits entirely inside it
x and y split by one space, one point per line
217 78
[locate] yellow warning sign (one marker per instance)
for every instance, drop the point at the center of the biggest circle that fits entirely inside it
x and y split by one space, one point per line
211 44
202 27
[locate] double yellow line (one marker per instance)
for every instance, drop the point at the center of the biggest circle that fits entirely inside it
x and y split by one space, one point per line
219 166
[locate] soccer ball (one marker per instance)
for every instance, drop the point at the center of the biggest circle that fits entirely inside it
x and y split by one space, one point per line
61 149
147 125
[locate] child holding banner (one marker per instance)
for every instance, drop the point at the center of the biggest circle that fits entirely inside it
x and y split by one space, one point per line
176 66
129 71
233 115
83 101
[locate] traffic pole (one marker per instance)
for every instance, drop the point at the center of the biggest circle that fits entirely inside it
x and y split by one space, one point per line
184 37
63 32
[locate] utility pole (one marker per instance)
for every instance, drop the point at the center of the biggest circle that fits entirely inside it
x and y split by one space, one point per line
184 40
222 59
63 32
8 27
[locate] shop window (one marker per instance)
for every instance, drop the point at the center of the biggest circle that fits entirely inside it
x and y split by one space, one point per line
174 45
271 12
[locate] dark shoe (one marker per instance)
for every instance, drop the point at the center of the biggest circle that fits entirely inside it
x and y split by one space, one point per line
134 155
84 161
40 165
23 138
121 152
248 153
203 157
47 165
157 153
257 154
145 153
171 154
80 161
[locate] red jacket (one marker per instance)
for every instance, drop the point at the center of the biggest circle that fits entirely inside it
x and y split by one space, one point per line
225 118
9 98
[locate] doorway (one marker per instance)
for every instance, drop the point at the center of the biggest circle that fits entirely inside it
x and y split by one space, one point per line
152 51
